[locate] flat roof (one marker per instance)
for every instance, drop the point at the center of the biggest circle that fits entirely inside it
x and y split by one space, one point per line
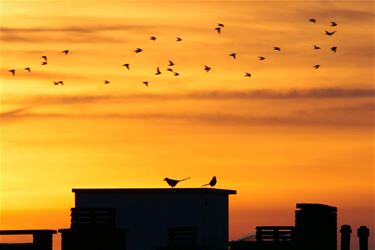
155 190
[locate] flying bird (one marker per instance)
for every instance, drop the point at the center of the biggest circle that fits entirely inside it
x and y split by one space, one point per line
13 71
178 39
157 71
172 182
334 49
233 55
170 63
312 20
261 58
106 81
44 57
169 69
145 83
44 63
152 38
316 47
212 182
220 25
316 66
206 68
57 83
333 24
27 69
176 74
330 33
276 48
138 50
218 29
65 51
126 65
247 74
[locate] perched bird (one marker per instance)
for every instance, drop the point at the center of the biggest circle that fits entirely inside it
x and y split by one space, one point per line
316 66
57 83
176 74
44 63
126 65
170 63
334 49
44 57
172 182
333 24
316 47
220 25
247 74
27 69
206 68
145 83
106 81
152 38
178 39
276 48
261 58
157 71
212 182
330 33
65 51
218 29
138 50
13 71
312 20
233 55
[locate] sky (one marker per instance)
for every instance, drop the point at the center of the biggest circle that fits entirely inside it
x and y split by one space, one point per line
289 133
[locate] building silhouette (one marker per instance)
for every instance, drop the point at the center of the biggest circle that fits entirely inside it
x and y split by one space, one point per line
42 240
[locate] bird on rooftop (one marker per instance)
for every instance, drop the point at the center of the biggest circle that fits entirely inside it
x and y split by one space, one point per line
65 51
233 55
178 39
145 83
330 33
333 24
261 58
157 71
316 66
126 65
13 71
247 74
170 63
277 48
218 29
312 20
212 182
316 47
173 183
152 38
138 50
206 68
106 81
334 49
27 69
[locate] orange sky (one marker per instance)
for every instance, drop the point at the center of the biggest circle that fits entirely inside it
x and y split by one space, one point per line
288 134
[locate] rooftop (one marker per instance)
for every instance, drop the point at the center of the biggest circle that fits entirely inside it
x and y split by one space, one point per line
155 190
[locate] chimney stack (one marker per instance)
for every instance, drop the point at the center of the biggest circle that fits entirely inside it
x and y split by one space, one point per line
363 233
345 231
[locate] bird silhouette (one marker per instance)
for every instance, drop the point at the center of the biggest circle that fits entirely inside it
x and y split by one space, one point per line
169 69
334 49
247 74
145 83
44 63
220 25
312 20
13 71
178 39
276 48
218 29
212 182
106 82
59 82
138 50
261 58
170 63
126 65
173 183
65 51
206 68
233 55
328 33
316 47
316 66
176 74
152 38
157 71
333 24
27 69
44 57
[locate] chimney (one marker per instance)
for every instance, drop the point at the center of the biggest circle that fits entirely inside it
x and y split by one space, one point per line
345 231
363 233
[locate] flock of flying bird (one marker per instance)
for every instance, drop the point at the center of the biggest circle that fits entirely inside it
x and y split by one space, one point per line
206 68
173 183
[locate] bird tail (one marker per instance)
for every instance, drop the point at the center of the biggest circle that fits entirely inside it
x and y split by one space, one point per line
205 184
185 179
